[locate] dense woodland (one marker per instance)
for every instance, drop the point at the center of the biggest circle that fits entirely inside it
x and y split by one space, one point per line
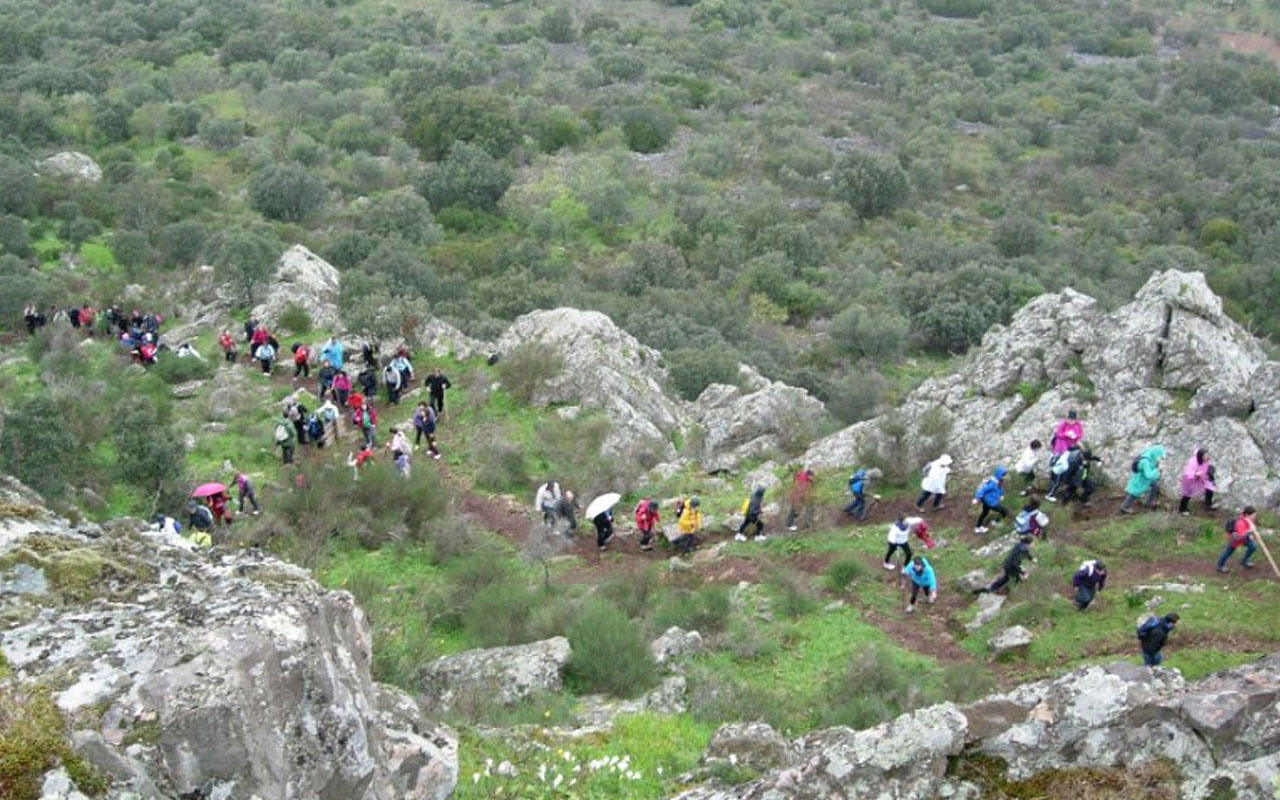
819 189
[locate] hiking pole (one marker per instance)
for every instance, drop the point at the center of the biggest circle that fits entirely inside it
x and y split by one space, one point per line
1267 553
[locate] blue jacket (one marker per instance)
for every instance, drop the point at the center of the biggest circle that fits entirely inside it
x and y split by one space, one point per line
991 492
924 578
858 482
333 352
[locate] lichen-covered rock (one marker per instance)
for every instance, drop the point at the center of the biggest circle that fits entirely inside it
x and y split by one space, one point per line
506 675
71 164
1169 367
442 339
750 744
741 423
1011 641
307 280
675 643
185 672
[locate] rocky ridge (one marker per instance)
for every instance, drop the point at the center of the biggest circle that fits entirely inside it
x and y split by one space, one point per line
1170 367
185 672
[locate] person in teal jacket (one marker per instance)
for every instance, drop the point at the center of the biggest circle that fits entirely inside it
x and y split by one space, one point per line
920 572
1144 480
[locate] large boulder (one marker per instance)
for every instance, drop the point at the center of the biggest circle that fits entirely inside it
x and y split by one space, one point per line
442 339
1170 367
70 164
305 279
750 744
183 672
758 419
505 675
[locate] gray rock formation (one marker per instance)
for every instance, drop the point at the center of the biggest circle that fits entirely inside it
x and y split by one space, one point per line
304 278
756 420
675 643
442 339
1169 367
1223 732
71 164
1013 641
506 675
750 744
189 672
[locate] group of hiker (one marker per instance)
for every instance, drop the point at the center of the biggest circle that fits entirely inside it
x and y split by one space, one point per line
138 332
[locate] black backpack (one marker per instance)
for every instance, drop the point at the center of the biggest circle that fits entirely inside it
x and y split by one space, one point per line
315 428
1230 525
1134 466
1147 627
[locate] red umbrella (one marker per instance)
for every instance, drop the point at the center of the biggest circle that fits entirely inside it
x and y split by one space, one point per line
208 490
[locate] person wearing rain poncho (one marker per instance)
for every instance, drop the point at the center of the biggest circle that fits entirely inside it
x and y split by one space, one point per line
1144 479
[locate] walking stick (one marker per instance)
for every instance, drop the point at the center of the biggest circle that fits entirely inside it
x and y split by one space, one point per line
1267 553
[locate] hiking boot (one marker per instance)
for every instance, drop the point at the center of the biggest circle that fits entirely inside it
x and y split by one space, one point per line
911 609
1247 565
1124 510
739 538
981 590
979 529
792 528
1224 570
763 538
1050 498
888 565
603 547
646 547
1185 513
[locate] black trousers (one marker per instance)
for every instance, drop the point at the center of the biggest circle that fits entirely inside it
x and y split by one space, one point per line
905 547
1004 579
988 510
1184 505
748 521
437 402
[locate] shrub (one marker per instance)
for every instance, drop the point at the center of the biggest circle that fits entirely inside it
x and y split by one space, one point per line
467 177
647 128
499 614
502 468
286 192
171 369
862 332
295 319
149 453
872 185
401 214
33 741
876 685
529 368
245 258
794 595
557 26
844 571
475 114
631 592
610 653
221 133
694 369
858 395
36 445
19 186
705 609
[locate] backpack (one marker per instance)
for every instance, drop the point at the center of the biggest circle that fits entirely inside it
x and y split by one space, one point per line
1059 464
1147 627
1134 466
391 376
282 433
1230 525
679 508
366 421
315 428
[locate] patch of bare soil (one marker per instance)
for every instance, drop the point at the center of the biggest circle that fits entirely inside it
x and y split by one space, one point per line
1252 43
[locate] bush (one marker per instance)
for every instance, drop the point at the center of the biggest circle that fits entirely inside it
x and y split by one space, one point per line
844 571
647 128
872 185
876 685
171 369
500 614
36 445
502 468
467 177
401 214
631 592
527 369
794 595
19 186
610 653
858 395
221 133
286 192
295 319
149 453
557 26
873 334
704 610
694 369
475 114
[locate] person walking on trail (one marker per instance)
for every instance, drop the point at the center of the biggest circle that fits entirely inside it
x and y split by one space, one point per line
604 528
687 526
228 345
400 450
1031 521
436 384
801 500
324 378
301 361
369 354
329 416
368 382
244 488
1090 579
1068 433
899 538
358 461
1144 479
297 414
391 379
259 336
752 508
934 483
1026 466
285 437
919 573
1152 635
266 355
859 485
1077 480
566 508
404 366
1197 478
333 352
1242 531
424 423
546 500
1059 466
218 505
199 517
1012 567
366 419
647 518
990 494
342 387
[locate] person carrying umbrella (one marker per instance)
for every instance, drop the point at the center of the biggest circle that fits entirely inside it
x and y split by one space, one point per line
600 512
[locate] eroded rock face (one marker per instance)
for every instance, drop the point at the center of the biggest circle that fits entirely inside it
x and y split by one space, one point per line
506 675
759 419
183 671
304 278
71 164
1169 367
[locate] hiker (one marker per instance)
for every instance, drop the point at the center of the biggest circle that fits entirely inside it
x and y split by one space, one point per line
1152 634
332 352
218 504
369 354
147 353
400 450
199 517
329 416
260 337
566 509
920 573
404 367
436 383
546 499
1077 480
1068 432
301 361
921 530
266 355
752 507
391 379
324 377
801 500
604 528
342 387
1026 467
1088 581
250 326
228 346
1059 466
1143 480
1197 477
1241 531
357 461
647 518
244 488
297 414
899 538
86 317
934 483
424 422
688 524
1031 521
284 437
315 430
1012 567
166 524
990 494
368 382
859 483
185 350
366 419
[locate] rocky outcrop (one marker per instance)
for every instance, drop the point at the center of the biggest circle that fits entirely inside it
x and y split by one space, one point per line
1223 732
1014 641
675 643
185 672
758 419
305 279
442 339
751 744
1169 367
505 675
70 164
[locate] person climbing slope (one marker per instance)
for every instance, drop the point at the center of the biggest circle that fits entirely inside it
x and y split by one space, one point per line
990 494
1242 531
800 500
859 485
1144 479
899 538
1197 478
752 508
934 483
1026 466
647 519
1152 635
436 384
1090 579
1068 432
1011 569
919 573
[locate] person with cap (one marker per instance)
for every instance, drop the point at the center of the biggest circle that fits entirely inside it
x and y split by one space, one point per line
990 494
752 508
919 572
688 525
859 482
934 483
1152 635
1068 432
647 518
1088 581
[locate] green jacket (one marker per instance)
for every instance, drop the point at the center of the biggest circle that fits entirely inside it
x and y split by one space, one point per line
1148 473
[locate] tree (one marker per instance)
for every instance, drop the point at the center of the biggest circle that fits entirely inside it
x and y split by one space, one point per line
353 132
37 446
1018 235
403 214
872 185
872 334
477 115
406 271
467 177
19 187
557 26
182 242
647 127
286 192
149 452
371 311
246 258
221 133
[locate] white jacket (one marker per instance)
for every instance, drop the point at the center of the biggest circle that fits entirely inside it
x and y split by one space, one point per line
548 494
1027 463
935 479
901 535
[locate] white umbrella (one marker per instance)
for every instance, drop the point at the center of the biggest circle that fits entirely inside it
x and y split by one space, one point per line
602 503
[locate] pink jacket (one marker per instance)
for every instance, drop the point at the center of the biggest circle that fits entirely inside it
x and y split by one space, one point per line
1069 432
1195 477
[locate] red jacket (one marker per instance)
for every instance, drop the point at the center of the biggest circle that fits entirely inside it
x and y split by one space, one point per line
646 520
260 335
1243 530
226 342
302 355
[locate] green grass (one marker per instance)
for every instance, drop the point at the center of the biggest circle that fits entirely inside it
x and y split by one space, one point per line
98 256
